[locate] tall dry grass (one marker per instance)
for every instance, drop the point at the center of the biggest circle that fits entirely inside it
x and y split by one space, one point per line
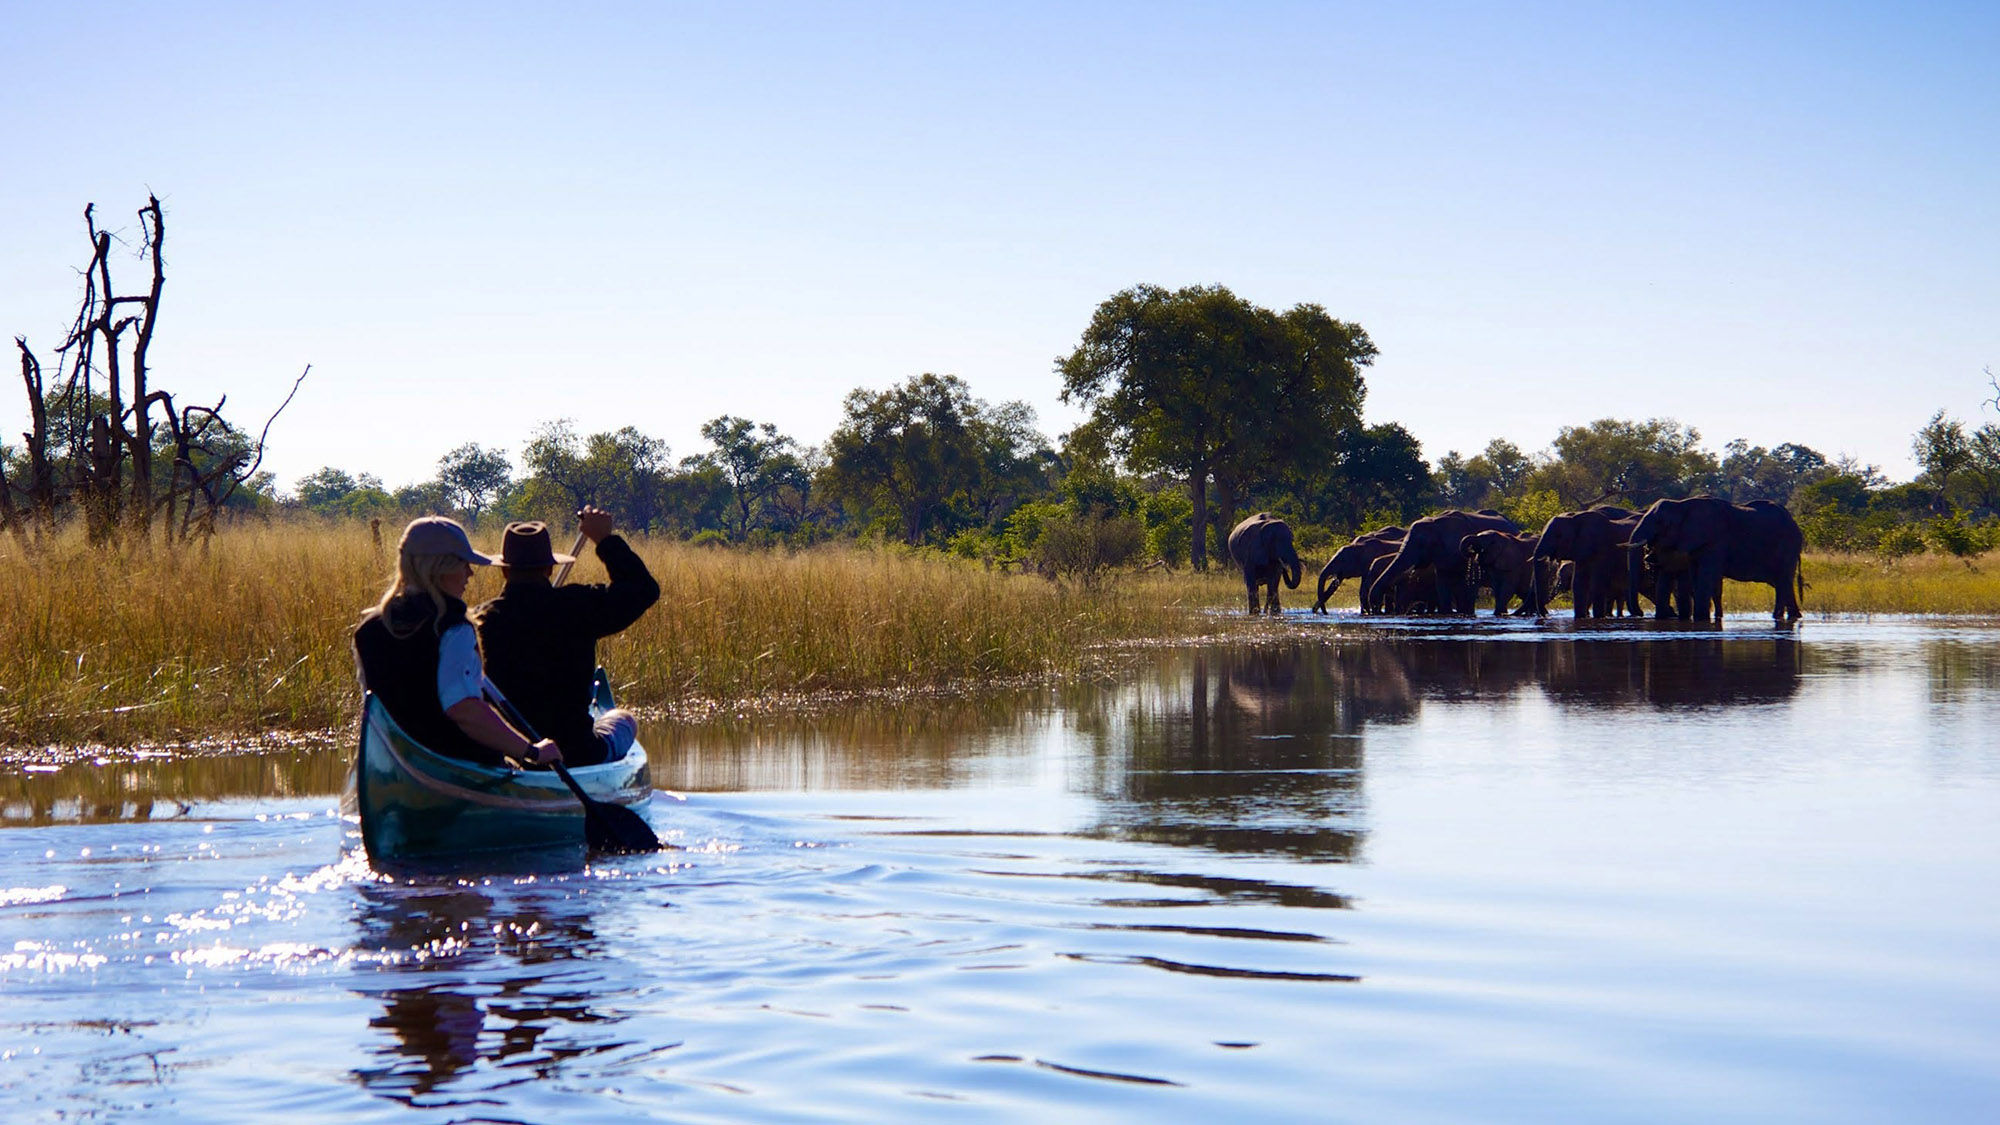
252 635
1850 583
111 646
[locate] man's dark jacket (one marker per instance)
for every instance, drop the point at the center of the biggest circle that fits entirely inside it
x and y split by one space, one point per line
539 644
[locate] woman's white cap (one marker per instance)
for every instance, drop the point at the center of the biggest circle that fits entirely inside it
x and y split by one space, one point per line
438 535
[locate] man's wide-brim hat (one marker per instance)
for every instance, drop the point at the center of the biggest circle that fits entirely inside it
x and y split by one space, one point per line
439 535
527 545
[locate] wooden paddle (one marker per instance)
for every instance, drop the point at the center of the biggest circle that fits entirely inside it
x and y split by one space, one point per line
606 827
562 572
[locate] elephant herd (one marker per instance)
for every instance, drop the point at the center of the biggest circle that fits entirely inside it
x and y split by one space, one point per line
1675 554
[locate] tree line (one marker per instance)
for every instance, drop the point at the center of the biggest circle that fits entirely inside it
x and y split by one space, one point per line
1202 407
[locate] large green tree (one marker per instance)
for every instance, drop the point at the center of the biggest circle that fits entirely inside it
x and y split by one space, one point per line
623 471
472 477
1204 385
757 461
1751 472
1482 480
1635 462
932 458
1944 450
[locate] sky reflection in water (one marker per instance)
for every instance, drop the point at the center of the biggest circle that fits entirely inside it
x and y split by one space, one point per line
1342 873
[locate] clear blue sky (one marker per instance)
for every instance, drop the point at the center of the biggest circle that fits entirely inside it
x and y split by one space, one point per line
1775 222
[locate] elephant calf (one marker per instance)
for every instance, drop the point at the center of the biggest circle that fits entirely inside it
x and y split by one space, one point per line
1507 561
1413 591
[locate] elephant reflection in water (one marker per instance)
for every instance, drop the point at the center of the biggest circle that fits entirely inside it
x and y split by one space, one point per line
1673 670
442 1029
1680 672
1260 749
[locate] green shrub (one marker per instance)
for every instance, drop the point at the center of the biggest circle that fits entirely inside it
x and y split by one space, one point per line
1084 547
1831 529
974 543
1533 510
1023 529
1951 535
1169 526
1900 540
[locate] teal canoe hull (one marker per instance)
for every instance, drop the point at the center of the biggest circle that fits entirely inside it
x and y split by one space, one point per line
418 804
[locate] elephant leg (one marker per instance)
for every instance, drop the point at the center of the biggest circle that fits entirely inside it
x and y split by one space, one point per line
1250 588
1787 606
1708 589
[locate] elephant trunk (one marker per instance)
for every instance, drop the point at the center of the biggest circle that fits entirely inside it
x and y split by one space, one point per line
1326 591
1545 576
1295 570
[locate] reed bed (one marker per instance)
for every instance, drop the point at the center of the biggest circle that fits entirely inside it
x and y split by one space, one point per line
251 635
1850 583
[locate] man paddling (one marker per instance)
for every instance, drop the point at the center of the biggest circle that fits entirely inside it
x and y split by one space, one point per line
540 640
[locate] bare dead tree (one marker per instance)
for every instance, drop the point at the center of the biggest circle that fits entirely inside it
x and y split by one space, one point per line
105 418
121 434
212 460
38 493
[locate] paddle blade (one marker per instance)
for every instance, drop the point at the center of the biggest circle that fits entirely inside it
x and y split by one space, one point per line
612 828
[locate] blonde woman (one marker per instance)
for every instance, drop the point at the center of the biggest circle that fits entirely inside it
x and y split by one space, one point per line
419 655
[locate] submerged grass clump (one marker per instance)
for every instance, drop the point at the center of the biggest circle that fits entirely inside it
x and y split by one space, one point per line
100 646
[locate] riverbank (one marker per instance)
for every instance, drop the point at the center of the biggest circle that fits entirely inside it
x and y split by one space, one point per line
103 647
109 648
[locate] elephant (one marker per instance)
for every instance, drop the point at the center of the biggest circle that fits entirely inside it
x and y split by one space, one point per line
1434 541
1262 546
1754 542
1410 592
1663 575
1563 579
1352 561
1508 562
1594 539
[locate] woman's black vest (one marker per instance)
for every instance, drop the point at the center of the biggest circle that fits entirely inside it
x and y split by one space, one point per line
397 650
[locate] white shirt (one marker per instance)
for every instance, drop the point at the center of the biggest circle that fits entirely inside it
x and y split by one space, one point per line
460 675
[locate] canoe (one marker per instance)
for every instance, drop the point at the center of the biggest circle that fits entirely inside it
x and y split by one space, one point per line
415 803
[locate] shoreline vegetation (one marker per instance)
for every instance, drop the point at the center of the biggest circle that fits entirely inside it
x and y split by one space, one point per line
250 635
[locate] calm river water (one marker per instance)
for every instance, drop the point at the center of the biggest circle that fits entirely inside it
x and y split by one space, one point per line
1343 872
